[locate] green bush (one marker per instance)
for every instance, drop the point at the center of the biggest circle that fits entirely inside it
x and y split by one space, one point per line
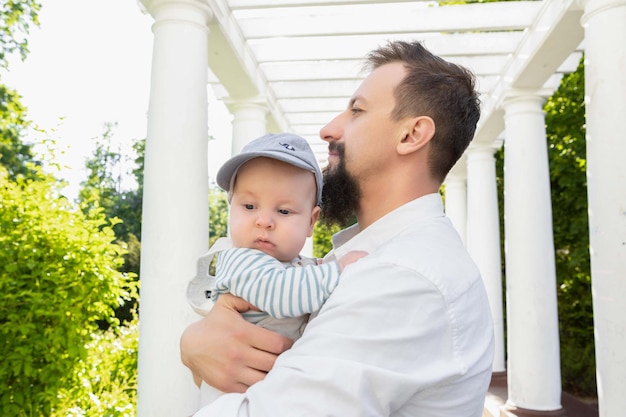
323 238
105 382
58 278
218 214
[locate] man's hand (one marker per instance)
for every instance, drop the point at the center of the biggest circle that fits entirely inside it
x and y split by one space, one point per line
226 351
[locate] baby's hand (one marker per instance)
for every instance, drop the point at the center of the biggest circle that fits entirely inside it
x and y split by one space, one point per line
350 257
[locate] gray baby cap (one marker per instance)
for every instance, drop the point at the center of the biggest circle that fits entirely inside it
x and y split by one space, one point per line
285 147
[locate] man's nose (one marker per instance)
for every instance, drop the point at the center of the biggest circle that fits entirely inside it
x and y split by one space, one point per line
333 130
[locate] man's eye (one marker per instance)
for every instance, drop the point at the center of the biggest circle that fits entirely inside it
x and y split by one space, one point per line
355 110
283 211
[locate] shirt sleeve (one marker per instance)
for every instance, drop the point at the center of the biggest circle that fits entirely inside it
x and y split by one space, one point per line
279 290
363 355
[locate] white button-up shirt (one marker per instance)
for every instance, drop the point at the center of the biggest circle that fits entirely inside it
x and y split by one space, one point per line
407 332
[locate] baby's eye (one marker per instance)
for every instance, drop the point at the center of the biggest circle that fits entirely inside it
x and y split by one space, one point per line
283 211
248 206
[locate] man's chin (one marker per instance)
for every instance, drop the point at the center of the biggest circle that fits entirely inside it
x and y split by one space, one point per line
340 197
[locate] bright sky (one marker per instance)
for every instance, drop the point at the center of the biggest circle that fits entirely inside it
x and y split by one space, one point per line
89 64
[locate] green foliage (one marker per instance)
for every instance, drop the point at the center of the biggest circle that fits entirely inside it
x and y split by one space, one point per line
58 278
15 155
59 274
103 189
105 383
16 18
565 130
127 204
218 214
140 150
499 161
322 239
101 185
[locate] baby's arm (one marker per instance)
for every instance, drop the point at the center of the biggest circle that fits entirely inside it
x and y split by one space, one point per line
275 289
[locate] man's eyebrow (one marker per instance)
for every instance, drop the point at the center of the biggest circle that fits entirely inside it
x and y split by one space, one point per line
354 100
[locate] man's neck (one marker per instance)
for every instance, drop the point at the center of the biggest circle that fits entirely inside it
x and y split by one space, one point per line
376 205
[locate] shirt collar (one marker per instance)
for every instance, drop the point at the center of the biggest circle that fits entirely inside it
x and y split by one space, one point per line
388 226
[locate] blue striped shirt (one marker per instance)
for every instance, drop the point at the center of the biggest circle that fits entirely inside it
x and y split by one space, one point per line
278 289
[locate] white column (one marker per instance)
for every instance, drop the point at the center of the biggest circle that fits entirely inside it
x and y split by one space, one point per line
175 205
483 236
249 121
534 377
456 197
605 98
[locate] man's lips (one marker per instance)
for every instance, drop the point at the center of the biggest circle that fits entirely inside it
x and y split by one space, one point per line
334 151
333 156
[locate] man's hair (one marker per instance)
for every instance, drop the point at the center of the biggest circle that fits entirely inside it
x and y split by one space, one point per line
436 88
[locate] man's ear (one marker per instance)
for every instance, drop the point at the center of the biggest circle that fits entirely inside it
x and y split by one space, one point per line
420 131
314 216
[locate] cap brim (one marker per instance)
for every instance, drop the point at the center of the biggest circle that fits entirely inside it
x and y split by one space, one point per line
230 167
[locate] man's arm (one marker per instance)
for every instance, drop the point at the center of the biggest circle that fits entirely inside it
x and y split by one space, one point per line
226 351
378 349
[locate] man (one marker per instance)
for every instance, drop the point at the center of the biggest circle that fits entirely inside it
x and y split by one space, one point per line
407 332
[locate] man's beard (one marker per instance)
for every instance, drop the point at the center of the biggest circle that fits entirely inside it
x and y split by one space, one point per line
340 194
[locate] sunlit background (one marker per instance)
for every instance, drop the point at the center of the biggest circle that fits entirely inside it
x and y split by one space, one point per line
89 65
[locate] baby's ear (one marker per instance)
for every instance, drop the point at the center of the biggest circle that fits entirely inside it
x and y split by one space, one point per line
419 133
315 214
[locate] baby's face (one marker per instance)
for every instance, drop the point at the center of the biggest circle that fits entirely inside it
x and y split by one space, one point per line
272 207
